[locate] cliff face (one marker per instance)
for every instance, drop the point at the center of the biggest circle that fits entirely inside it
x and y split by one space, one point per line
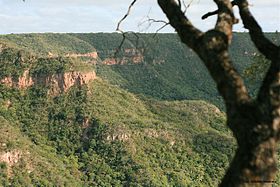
58 82
134 56
129 55
63 81
22 82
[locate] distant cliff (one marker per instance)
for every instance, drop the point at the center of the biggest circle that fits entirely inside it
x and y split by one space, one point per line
57 83
21 69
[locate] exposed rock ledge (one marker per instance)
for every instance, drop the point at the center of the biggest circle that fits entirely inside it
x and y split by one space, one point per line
58 82
11 158
93 55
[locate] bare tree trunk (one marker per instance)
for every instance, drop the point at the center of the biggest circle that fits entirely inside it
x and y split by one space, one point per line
255 161
255 123
252 166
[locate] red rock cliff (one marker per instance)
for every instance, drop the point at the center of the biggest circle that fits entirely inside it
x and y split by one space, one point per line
58 82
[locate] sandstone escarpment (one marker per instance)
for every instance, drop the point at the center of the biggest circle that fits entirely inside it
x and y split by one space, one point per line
63 81
90 55
134 56
22 82
128 55
57 83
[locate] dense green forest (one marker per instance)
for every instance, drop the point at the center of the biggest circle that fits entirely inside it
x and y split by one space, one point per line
153 121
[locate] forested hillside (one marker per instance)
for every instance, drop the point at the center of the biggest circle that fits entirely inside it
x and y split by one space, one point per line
77 110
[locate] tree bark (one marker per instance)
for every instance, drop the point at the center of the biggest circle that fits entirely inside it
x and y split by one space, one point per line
255 161
252 165
255 123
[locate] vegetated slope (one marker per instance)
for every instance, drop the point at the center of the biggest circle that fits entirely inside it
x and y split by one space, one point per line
22 162
21 69
172 143
47 43
166 69
97 134
170 70
102 134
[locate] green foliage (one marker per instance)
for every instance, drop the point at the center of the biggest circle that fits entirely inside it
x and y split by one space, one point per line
13 62
45 66
170 71
37 164
105 163
57 125
156 126
43 44
216 151
258 69
137 125
256 72
3 175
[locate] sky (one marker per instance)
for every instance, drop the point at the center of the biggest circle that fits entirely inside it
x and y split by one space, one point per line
79 16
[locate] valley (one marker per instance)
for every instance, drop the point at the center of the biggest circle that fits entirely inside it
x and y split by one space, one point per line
79 110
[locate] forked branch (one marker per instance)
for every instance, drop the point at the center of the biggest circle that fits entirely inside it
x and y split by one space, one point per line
265 46
212 47
208 14
225 18
271 84
187 32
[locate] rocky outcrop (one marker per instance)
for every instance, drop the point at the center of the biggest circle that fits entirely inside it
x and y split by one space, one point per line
8 81
23 81
11 157
111 61
165 135
129 55
118 136
134 56
93 55
58 83
120 133
90 55
14 158
63 81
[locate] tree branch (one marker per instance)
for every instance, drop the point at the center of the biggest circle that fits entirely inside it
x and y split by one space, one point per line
265 46
125 16
268 94
233 3
159 29
150 21
225 18
214 53
208 14
212 48
271 74
186 6
187 32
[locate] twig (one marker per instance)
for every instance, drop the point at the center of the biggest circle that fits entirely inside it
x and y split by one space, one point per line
125 16
159 29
